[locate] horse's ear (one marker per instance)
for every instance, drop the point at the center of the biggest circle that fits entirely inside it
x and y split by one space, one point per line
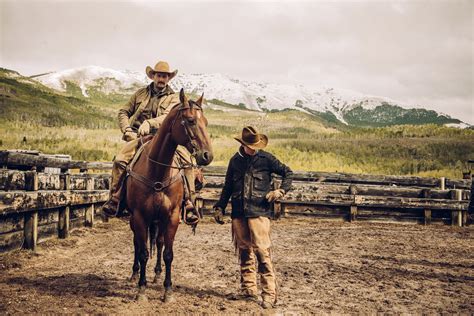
182 97
199 101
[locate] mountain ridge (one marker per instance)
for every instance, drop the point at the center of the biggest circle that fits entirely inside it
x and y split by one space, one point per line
346 106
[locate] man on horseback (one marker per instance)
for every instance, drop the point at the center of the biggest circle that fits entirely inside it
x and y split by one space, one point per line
248 182
143 113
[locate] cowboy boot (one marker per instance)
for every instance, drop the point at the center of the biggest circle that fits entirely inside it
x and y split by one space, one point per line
110 208
192 215
267 277
248 275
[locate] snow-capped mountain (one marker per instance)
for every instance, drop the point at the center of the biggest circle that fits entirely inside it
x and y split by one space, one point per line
104 79
349 107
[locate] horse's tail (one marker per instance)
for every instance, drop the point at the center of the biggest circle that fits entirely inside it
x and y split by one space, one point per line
153 231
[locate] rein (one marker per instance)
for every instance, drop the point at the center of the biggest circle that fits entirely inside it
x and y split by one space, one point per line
157 186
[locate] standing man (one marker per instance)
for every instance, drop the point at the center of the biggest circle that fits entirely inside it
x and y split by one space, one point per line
146 110
248 182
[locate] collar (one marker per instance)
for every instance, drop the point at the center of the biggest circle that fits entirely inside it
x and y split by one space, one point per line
243 154
165 91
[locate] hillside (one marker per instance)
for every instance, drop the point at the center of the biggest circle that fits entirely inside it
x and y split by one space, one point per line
25 101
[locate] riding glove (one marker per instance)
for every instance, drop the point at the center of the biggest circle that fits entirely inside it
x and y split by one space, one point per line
218 215
144 129
129 136
272 196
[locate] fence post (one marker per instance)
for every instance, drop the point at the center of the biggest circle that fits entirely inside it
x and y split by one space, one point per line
426 193
353 213
31 181
90 183
31 230
65 181
353 207
90 210
456 216
63 224
442 184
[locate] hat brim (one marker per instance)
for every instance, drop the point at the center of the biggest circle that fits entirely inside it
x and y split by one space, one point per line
262 143
150 72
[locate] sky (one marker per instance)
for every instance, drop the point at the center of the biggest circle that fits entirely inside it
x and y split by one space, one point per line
417 52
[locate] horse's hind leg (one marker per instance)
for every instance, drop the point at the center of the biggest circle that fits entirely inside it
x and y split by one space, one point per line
159 251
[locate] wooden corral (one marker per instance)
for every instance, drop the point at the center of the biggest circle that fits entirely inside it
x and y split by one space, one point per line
35 205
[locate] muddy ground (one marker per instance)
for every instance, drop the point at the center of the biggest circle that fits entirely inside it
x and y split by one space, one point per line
322 267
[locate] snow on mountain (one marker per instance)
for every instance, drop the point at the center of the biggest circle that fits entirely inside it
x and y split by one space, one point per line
458 125
258 95
107 80
253 95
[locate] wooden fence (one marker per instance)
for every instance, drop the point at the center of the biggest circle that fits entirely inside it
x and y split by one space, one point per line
358 196
35 204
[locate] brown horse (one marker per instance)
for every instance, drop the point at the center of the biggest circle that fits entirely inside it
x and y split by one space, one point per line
154 188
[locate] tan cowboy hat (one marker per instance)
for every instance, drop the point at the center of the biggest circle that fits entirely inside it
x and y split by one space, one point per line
252 139
161 66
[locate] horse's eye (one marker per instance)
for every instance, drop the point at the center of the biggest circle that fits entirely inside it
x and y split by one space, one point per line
192 121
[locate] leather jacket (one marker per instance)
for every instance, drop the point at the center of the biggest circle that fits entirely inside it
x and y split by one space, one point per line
248 180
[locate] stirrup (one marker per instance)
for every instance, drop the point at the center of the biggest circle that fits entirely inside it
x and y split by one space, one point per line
191 214
109 209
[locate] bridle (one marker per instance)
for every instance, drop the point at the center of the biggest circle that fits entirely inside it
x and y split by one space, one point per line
191 141
191 137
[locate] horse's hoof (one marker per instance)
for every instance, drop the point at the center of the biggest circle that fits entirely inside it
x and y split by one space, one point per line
141 298
169 298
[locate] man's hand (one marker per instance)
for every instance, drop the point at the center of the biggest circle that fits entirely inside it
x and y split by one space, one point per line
218 215
144 129
272 196
129 135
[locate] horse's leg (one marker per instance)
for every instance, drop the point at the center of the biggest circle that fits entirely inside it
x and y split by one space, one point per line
169 235
136 265
141 234
159 251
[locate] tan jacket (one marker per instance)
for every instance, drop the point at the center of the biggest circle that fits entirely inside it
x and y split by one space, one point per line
132 113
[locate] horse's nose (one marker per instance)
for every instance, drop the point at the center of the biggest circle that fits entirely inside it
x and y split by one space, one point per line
207 157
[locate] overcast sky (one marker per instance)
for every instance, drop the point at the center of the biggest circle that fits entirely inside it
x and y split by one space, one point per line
420 52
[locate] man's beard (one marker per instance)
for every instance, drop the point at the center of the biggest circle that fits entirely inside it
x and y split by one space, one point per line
160 85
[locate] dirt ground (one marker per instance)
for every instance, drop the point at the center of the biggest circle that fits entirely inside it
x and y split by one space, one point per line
322 267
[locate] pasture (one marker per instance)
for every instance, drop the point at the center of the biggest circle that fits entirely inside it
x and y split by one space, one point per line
323 266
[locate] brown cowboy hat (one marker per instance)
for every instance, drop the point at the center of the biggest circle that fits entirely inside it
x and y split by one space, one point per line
252 139
161 66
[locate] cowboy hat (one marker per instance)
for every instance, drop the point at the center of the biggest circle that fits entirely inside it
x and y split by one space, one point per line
161 66
252 139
